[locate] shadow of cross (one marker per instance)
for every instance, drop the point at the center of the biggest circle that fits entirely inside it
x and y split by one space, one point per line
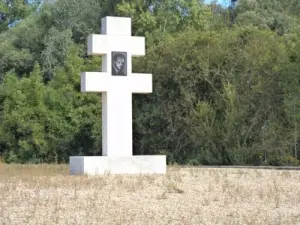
116 90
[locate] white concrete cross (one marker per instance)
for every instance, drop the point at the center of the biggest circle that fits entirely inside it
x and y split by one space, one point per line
116 90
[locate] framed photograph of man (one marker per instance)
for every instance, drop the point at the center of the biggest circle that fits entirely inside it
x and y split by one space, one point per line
119 63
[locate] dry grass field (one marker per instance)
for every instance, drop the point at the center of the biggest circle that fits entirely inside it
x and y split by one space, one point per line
45 194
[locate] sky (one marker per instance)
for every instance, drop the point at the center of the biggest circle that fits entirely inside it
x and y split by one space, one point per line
221 2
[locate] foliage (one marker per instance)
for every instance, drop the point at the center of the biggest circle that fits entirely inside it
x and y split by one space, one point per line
12 11
225 81
44 122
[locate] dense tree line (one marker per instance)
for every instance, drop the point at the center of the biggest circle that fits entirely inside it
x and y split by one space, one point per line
226 80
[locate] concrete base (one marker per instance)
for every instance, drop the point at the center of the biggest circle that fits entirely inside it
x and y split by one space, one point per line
97 165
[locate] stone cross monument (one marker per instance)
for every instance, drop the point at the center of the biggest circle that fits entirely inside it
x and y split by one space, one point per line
116 82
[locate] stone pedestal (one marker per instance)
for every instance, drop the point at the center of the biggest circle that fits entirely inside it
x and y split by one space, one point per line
97 165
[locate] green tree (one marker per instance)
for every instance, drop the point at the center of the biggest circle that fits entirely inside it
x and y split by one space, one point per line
225 81
44 123
12 11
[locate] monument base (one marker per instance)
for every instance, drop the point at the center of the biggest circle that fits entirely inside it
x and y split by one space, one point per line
97 165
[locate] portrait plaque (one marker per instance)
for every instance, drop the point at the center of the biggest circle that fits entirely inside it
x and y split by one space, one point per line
119 64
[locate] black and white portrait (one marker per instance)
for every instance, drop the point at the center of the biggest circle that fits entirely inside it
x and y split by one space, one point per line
119 63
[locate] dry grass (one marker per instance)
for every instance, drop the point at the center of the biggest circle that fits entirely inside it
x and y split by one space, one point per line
45 194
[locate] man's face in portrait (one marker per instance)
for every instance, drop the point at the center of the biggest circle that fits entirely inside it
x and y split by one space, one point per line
119 62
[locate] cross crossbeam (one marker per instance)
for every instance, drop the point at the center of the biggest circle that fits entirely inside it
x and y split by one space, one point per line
99 44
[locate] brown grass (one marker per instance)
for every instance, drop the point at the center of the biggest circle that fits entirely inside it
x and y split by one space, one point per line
46 194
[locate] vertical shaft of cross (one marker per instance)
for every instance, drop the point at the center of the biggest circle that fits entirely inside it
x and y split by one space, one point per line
117 117
116 104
